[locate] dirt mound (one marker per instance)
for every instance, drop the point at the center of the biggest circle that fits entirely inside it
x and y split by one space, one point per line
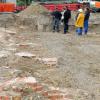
33 18
34 9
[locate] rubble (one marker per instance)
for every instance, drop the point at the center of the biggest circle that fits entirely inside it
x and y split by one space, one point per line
30 80
33 18
4 53
50 61
36 90
25 54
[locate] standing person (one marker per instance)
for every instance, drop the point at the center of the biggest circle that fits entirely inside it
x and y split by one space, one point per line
86 19
56 19
67 16
79 22
63 11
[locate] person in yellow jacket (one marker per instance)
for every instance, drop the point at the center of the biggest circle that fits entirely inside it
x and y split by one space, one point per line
79 22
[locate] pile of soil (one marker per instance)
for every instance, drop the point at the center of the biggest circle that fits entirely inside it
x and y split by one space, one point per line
34 9
32 17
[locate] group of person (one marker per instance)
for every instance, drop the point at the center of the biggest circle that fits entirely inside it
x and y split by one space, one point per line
81 20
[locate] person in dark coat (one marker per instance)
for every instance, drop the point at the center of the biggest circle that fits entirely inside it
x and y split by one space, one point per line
67 16
56 19
86 20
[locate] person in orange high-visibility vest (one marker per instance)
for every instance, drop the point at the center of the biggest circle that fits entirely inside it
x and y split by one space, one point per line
79 22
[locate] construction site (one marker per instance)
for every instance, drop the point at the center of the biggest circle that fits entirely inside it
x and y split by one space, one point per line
37 64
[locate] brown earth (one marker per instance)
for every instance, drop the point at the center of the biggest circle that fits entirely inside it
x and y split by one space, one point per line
76 71
34 9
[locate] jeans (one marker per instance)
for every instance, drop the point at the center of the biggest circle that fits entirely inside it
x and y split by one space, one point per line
79 30
56 23
85 26
66 26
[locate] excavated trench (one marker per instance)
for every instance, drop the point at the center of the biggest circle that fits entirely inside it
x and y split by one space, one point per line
23 47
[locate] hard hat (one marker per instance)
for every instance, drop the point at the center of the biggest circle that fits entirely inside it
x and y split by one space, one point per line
80 10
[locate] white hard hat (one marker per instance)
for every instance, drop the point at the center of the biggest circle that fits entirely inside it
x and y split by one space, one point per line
80 10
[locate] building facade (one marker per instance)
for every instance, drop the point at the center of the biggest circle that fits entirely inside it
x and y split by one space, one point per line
8 1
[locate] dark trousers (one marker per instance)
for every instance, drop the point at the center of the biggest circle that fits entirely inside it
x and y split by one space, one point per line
66 26
56 24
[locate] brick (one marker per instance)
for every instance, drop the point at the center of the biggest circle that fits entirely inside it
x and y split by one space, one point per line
5 98
16 98
50 61
54 91
45 93
38 88
55 97
30 80
0 97
32 84
18 89
25 54
1 88
23 46
35 86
